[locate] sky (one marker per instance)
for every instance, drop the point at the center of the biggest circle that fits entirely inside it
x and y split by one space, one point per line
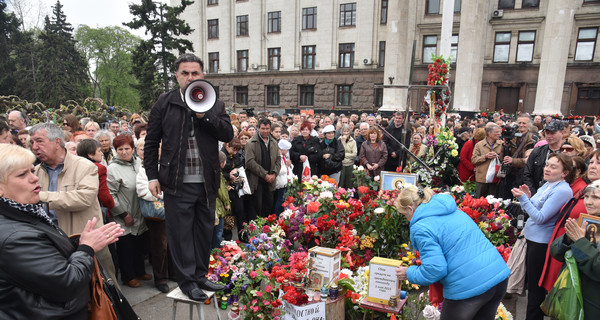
94 13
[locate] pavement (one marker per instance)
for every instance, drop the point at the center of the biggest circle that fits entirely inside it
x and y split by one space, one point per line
151 304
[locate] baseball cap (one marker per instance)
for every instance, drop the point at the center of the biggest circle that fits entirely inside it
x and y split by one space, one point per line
554 125
589 140
328 128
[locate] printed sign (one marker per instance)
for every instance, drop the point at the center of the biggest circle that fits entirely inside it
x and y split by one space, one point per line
313 311
383 282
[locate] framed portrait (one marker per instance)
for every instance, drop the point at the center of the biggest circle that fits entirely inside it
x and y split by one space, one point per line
592 231
395 180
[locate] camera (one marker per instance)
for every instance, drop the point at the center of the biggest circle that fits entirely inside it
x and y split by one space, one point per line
249 112
508 133
237 185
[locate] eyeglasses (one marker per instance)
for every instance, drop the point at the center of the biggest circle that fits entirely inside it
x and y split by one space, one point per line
65 124
567 149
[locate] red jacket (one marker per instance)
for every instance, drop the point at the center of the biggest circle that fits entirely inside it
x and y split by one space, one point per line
551 265
106 200
466 169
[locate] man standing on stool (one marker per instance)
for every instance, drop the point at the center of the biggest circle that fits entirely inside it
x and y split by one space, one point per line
188 174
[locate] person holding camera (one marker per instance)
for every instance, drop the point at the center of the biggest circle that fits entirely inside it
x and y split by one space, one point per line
306 148
513 163
234 161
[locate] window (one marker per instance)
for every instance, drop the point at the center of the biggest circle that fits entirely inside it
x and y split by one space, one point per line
213 28
432 7
347 14
586 44
344 95
212 2
501 46
429 48
381 62
346 55
309 18
530 4
242 60
308 57
384 11
590 1
453 48
506 4
274 58
274 21
213 62
307 95
525 46
457 6
379 97
273 95
241 95
242 25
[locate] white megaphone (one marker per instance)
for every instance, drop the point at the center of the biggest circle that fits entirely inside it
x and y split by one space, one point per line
200 96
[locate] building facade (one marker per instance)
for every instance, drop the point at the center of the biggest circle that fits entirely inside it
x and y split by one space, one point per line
517 55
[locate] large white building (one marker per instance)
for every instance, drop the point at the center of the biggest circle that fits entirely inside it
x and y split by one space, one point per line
518 55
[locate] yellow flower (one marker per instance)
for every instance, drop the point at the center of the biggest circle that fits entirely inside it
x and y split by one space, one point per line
454 153
404 245
405 259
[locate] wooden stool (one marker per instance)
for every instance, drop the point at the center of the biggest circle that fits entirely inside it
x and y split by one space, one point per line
178 296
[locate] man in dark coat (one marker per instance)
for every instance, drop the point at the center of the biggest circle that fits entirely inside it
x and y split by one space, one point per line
396 155
534 169
189 174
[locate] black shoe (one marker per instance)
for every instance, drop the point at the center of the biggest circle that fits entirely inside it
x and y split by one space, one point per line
210 286
197 294
164 288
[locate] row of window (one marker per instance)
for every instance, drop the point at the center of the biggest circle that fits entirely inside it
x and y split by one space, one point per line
309 54
309 19
306 95
584 49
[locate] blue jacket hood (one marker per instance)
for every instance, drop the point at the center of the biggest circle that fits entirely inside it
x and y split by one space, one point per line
439 205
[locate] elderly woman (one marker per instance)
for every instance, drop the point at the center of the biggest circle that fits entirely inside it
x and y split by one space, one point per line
543 210
305 147
485 150
373 153
105 138
91 128
350 153
474 283
333 154
585 253
122 172
417 148
161 263
43 275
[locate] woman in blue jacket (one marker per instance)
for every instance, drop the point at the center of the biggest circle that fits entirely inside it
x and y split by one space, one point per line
453 252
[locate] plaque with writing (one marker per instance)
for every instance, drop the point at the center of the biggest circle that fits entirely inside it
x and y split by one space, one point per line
383 282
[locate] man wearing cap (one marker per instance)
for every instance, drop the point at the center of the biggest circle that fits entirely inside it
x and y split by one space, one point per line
333 154
262 167
534 169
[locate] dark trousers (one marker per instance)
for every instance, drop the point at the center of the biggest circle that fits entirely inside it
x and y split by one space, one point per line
261 204
237 209
162 264
486 189
346 177
279 194
534 261
130 250
190 222
481 307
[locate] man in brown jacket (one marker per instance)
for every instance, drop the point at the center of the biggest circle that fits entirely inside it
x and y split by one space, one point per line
69 185
262 166
485 150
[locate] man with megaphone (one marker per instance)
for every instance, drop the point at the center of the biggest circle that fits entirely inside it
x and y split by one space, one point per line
189 122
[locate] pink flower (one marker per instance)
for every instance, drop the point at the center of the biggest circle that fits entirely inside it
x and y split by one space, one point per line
255 308
266 302
259 294
268 288
252 274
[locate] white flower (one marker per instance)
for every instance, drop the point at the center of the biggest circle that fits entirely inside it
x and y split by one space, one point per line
379 210
353 232
376 178
325 184
360 168
286 214
431 313
326 194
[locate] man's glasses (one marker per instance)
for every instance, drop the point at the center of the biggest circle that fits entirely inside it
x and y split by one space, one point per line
566 149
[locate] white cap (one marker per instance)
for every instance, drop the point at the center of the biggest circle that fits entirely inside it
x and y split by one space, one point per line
328 128
284 144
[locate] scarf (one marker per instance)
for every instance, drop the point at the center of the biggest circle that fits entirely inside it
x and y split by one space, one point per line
34 210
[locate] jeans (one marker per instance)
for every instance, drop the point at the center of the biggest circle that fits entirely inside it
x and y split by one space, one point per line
279 193
217 235
481 307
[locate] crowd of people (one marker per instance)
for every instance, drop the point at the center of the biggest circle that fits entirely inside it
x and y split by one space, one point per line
110 172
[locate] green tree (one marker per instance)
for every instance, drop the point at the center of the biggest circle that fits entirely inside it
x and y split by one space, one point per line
109 51
62 68
165 28
9 30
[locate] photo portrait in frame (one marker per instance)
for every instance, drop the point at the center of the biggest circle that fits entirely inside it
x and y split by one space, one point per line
592 231
396 181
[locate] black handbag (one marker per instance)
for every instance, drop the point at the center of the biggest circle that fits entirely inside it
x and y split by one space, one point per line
120 304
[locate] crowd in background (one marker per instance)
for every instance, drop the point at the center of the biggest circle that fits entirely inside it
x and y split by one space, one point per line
269 149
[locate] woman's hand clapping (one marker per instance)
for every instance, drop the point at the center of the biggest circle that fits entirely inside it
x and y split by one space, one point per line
99 238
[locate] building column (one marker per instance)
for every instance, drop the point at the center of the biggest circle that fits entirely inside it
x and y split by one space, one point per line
555 54
398 51
474 17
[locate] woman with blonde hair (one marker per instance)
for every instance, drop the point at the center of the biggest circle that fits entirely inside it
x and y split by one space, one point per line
91 128
474 283
573 146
